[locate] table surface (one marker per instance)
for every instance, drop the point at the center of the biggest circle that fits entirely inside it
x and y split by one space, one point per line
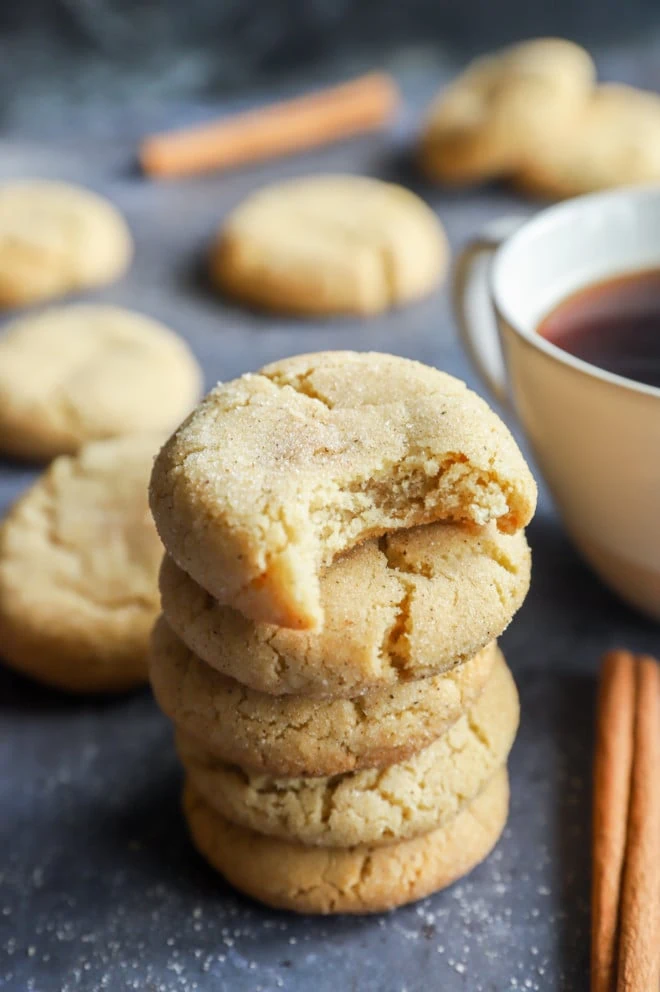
99 885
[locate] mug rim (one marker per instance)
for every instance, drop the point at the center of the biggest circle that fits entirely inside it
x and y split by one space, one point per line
546 216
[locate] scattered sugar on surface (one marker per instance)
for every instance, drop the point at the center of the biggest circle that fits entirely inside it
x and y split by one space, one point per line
141 912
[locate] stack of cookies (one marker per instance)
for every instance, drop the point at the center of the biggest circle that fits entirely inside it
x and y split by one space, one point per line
344 537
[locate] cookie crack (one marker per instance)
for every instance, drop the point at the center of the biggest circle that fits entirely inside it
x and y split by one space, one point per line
479 734
300 384
395 647
397 562
499 556
281 665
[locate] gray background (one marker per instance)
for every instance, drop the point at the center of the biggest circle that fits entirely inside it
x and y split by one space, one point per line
99 886
144 49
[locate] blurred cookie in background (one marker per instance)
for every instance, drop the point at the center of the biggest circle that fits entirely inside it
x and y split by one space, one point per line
615 141
330 244
484 124
56 238
79 559
86 372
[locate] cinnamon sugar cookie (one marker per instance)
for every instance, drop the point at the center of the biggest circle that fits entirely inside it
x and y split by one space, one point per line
296 735
614 142
330 245
374 805
87 372
276 474
79 558
488 120
429 598
56 238
360 879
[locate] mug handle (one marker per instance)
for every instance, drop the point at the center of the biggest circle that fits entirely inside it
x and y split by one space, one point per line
472 305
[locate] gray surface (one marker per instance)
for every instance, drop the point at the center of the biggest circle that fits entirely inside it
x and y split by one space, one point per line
99 887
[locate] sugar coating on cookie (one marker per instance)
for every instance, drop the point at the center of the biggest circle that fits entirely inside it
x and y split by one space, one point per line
330 244
615 141
503 105
56 238
404 606
79 558
373 805
276 474
87 372
297 735
357 880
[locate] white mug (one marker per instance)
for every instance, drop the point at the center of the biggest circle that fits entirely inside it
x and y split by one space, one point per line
595 435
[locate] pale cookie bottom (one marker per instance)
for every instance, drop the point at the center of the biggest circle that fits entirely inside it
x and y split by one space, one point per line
355 880
294 735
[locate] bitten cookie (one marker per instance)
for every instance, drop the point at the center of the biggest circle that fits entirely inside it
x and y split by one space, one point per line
86 372
295 735
55 239
330 245
349 880
486 122
429 598
374 805
615 141
275 474
79 559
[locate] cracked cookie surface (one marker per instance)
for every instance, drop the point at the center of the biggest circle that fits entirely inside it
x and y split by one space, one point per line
373 805
361 879
296 735
87 372
79 558
276 474
330 245
404 606
55 239
504 105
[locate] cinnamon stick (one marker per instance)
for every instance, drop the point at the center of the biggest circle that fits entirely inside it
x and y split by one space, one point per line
639 939
612 773
364 104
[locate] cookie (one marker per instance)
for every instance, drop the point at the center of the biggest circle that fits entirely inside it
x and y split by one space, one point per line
87 372
296 735
614 142
373 805
56 239
330 245
275 474
429 598
349 880
484 124
79 558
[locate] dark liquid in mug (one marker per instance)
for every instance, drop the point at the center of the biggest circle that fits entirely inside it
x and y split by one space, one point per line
613 324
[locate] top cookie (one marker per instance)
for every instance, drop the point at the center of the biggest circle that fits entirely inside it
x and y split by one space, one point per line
87 372
484 124
330 244
615 141
276 474
56 238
